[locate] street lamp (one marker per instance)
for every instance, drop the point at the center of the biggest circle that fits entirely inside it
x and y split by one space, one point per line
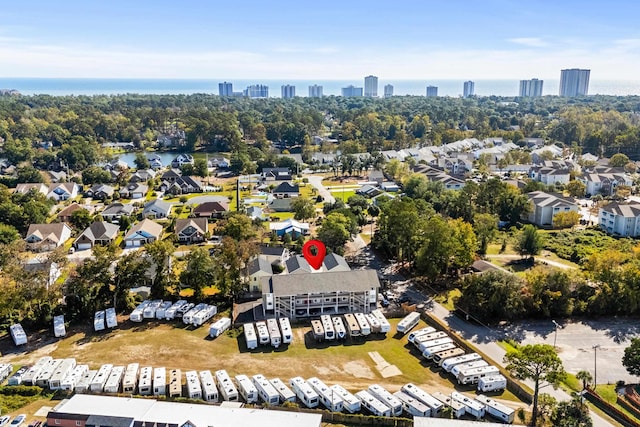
555 337
595 348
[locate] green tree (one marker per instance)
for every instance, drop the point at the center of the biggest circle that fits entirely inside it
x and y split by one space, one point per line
28 174
160 253
618 160
334 232
303 208
130 272
200 167
585 377
631 358
529 242
141 161
537 362
199 272
231 261
492 296
576 188
8 234
486 228
237 226
81 219
566 219
571 413
95 175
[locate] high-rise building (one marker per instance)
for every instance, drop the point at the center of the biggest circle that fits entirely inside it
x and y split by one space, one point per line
257 91
388 91
371 87
225 89
315 91
469 89
531 87
351 91
432 91
574 82
288 91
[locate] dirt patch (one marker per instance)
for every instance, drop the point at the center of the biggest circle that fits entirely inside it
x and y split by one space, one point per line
358 369
385 368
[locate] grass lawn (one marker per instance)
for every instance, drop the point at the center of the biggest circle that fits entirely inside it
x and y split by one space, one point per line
447 299
344 195
608 393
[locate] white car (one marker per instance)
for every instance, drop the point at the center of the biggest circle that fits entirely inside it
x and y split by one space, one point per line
17 421
4 420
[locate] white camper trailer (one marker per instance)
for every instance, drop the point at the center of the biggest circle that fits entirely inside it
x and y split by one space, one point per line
98 321
429 352
349 401
286 394
17 377
385 326
387 398
433 343
5 370
338 326
285 328
373 405
440 357
448 364
329 399
149 312
246 389
424 397
374 323
473 375
412 405
115 379
228 390
263 333
469 365
136 314
422 331
353 327
161 311
18 334
29 377
472 407
145 384
219 326
365 328
417 341
204 315
306 394
159 382
70 381
457 408
493 383
194 388
274 333
170 313
188 317
408 322
175 383
266 391
181 311
250 336
61 372
497 409
327 325
317 330
98 382
111 317
47 371
209 390
59 328
130 378
84 383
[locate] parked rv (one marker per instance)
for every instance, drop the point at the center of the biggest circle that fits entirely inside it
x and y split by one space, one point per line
63 369
412 405
111 318
373 405
175 383
473 375
387 398
352 325
160 382
209 390
136 314
250 336
204 315
84 383
365 328
422 331
374 323
130 380
188 317
448 364
149 312
98 321
246 389
440 357
285 393
42 380
457 408
327 325
114 380
161 311
338 326
492 383
219 326
266 391
263 333
170 313
145 383
29 377
285 328
274 333
469 365
306 394
349 402
70 381
429 352
497 409
385 326
408 322
327 397
18 334
228 390
317 330
194 388
418 393
98 382
17 377
472 407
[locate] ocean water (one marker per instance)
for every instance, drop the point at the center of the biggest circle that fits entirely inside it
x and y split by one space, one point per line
73 86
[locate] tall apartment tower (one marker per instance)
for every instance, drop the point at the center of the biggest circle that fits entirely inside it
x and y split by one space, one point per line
257 91
469 89
288 91
225 89
371 87
574 82
351 91
315 91
432 91
531 87
388 91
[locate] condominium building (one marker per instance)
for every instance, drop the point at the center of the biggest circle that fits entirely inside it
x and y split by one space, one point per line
432 91
469 89
257 91
351 91
620 219
371 87
531 87
315 91
388 91
574 82
288 91
225 89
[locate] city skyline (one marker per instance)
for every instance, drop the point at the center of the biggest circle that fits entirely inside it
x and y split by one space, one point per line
107 40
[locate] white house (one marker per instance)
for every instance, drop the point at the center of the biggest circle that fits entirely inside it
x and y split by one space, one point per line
47 237
547 205
550 176
620 219
63 191
146 231
604 183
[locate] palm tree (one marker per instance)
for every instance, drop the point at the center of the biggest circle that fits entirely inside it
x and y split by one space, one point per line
585 377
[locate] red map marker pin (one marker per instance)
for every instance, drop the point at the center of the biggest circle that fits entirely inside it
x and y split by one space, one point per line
314 260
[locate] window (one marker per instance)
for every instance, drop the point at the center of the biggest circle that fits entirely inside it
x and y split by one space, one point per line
57 421
78 423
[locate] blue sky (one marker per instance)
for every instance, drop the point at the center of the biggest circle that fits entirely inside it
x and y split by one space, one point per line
319 40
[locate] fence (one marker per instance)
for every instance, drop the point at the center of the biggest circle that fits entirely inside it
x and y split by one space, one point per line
609 409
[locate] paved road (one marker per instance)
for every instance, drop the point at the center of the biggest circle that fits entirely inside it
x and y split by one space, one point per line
316 181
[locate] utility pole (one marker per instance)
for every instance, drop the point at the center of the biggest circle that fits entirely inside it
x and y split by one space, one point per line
555 337
595 348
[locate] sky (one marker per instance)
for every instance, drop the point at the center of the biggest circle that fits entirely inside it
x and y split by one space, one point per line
330 40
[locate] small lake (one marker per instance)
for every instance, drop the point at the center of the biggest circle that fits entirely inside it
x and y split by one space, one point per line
165 156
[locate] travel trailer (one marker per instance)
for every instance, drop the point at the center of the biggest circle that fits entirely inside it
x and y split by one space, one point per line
219 326
266 391
412 405
194 388
424 397
250 336
338 326
306 394
327 397
373 405
228 390
493 383
209 390
497 409
286 394
285 328
448 364
408 322
349 402
274 333
387 398
472 407
246 389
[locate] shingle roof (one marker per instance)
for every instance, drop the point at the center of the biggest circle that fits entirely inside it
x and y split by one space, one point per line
146 225
199 224
100 230
354 281
627 210
259 264
51 231
286 187
542 199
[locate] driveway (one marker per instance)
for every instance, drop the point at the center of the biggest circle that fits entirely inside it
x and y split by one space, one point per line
316 181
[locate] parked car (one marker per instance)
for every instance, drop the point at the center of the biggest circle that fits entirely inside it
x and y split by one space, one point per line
4 420
17 421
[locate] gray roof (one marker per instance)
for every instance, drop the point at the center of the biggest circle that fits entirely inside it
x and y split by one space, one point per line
109 420
354 281
334 261
145 227
157 205
630 210
259 263
100 230
118 208
286 187
297 264
542 199
200 224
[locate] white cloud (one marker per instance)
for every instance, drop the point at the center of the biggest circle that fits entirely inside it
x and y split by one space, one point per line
529 41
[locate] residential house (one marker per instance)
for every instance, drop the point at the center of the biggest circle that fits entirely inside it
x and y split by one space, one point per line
57 176
547 205
368 190
604 183
155 162
6 167
171 175
191 230
290 226
255 212
276 174
47 237
389 186
299 296
157 209
550 175
146 231
100 233
51 270
63 191
65 214
216 209
621 219
286 190
455 165
257 268
219 162
134 190
182 185
27 187
142 175
280 205
275 254
296 264
544 153
100 191
376 176
116 164
432 174
182 159
115 210
335 262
